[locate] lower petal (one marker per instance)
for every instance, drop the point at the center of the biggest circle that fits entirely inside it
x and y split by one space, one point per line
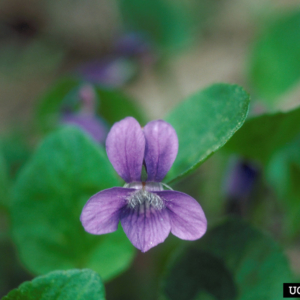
145 226
101 214
188 221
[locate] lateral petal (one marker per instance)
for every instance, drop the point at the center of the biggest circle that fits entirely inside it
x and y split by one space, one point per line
101 214
188 221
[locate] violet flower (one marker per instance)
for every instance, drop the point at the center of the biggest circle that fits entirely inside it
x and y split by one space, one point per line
86 118
241 178
147 212
112 72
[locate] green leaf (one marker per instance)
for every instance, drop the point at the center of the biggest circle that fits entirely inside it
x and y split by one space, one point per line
250 256
283 174
168 24
238 249
204 123
112 104
195 272
66 170
61 285
275 60
262 136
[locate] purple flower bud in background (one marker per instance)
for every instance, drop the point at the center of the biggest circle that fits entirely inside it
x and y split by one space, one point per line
86 118
240 181
130 52
136 45
110 72
147 212
88 97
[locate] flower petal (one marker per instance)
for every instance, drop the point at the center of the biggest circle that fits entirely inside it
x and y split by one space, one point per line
187 218
101 214
145 226
125 146
161 149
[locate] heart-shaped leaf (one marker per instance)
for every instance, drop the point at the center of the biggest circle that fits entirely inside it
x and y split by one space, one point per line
66 170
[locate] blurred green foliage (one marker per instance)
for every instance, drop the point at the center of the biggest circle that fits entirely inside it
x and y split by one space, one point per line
251 266
4 182
262 136
204 122
40 56
194 271
11 271
50 192
166 23
274 65
283 174
15 150
112 105
68 285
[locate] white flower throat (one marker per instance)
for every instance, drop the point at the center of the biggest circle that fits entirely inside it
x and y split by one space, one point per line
143 198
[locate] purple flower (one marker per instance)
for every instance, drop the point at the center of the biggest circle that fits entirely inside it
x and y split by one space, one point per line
86 118
147 212
110 72
240 179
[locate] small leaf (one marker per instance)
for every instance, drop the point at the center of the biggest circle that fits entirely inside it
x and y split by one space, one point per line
245 258
275 60
204 123
66 170
262 136
67 285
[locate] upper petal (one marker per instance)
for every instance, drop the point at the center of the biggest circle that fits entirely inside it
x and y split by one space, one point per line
187 218
101 214
161 149
145 225
125 146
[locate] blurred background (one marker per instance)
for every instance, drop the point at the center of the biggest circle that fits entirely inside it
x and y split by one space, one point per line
154 53
42 40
